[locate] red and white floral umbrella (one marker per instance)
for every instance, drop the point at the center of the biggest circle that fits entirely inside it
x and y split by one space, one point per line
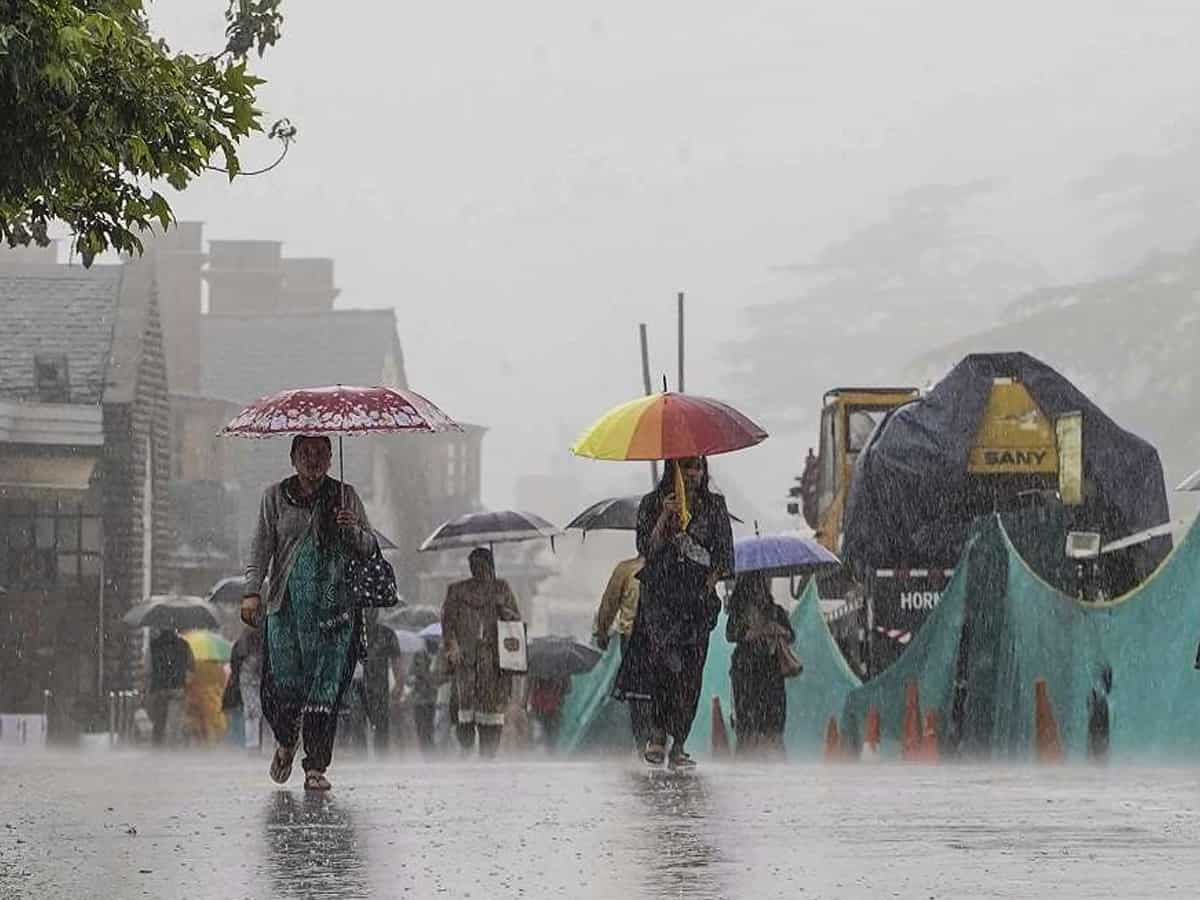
341 411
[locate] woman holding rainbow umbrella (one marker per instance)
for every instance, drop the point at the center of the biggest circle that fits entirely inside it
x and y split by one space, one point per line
684 535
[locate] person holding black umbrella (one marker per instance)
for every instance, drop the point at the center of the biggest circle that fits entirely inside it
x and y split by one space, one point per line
469 633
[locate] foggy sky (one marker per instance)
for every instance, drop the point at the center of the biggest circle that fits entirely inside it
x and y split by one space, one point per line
525 182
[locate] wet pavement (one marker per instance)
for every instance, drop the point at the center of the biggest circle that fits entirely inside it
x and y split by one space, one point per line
127 825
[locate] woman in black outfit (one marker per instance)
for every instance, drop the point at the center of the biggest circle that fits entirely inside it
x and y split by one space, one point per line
756 625
678 609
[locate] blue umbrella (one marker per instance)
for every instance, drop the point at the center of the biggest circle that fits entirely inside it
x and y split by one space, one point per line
780 556
431 631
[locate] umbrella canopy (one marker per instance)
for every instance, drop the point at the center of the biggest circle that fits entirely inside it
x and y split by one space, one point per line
613 514
208 646
385 543
172 611
228 590
414 618
668 426
781 555
507 526
339 410
410 641
558 657
431 631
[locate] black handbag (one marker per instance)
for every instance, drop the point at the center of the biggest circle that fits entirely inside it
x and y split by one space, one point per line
371 582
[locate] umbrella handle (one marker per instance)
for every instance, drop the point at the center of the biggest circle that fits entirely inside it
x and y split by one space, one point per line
342 473
792 589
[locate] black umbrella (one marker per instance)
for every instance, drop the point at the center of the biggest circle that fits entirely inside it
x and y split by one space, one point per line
228 591
172 611
613 514
557 657
480 529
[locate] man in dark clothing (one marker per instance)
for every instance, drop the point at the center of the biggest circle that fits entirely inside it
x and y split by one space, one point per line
170 664
383 653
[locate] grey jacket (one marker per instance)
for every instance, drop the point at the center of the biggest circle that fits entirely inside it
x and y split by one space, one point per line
280 531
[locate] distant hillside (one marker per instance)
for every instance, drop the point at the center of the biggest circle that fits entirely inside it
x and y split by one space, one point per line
1131 342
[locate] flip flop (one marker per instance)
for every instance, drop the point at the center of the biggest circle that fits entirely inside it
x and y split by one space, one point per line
281 764
654 754
316 781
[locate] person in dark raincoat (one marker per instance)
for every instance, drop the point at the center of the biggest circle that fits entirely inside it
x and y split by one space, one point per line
755 625
683 533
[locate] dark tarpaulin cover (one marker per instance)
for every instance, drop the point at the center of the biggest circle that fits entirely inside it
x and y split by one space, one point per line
908 504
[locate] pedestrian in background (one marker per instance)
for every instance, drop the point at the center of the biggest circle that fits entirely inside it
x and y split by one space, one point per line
618 605
383 668
469 616
171 663
425 675
757 626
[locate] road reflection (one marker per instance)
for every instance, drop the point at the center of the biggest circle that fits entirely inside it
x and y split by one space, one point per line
312 848
673 846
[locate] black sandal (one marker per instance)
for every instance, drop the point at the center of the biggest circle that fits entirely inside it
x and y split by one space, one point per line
281 764
655 753
316 781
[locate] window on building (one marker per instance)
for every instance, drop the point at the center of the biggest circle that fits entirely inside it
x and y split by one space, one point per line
456 469
46 544
50 378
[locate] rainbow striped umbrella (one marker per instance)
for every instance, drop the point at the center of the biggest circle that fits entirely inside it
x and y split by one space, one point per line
208 645
668 426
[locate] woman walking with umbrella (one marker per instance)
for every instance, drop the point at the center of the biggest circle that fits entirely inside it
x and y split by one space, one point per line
307 527
684 535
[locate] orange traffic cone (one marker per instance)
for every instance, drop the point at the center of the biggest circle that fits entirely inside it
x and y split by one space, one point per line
870 747
929 740
720 736
1048 744
910 743
833 743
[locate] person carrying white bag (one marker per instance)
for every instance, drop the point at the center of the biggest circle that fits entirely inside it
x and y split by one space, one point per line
471 633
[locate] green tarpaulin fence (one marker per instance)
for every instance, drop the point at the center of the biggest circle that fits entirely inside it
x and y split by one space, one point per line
593 722
1021 629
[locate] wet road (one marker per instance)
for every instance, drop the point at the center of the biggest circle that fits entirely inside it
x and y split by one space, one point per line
127 825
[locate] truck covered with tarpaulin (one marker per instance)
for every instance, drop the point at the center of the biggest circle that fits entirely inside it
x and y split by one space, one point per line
999 432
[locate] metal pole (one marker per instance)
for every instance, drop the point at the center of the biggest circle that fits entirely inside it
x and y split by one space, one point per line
679 380
100 632
646 385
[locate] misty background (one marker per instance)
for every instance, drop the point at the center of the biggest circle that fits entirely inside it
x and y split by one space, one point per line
847 193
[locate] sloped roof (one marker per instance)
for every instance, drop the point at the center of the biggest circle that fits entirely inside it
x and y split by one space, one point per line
246 357
56 309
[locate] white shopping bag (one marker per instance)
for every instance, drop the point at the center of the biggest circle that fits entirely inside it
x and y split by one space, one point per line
514 656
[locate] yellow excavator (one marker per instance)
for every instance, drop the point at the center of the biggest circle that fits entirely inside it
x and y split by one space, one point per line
1016 449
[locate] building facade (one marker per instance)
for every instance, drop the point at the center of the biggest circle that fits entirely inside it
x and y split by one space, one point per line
85 524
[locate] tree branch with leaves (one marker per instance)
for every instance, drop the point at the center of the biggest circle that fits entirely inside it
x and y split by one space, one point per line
96 109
